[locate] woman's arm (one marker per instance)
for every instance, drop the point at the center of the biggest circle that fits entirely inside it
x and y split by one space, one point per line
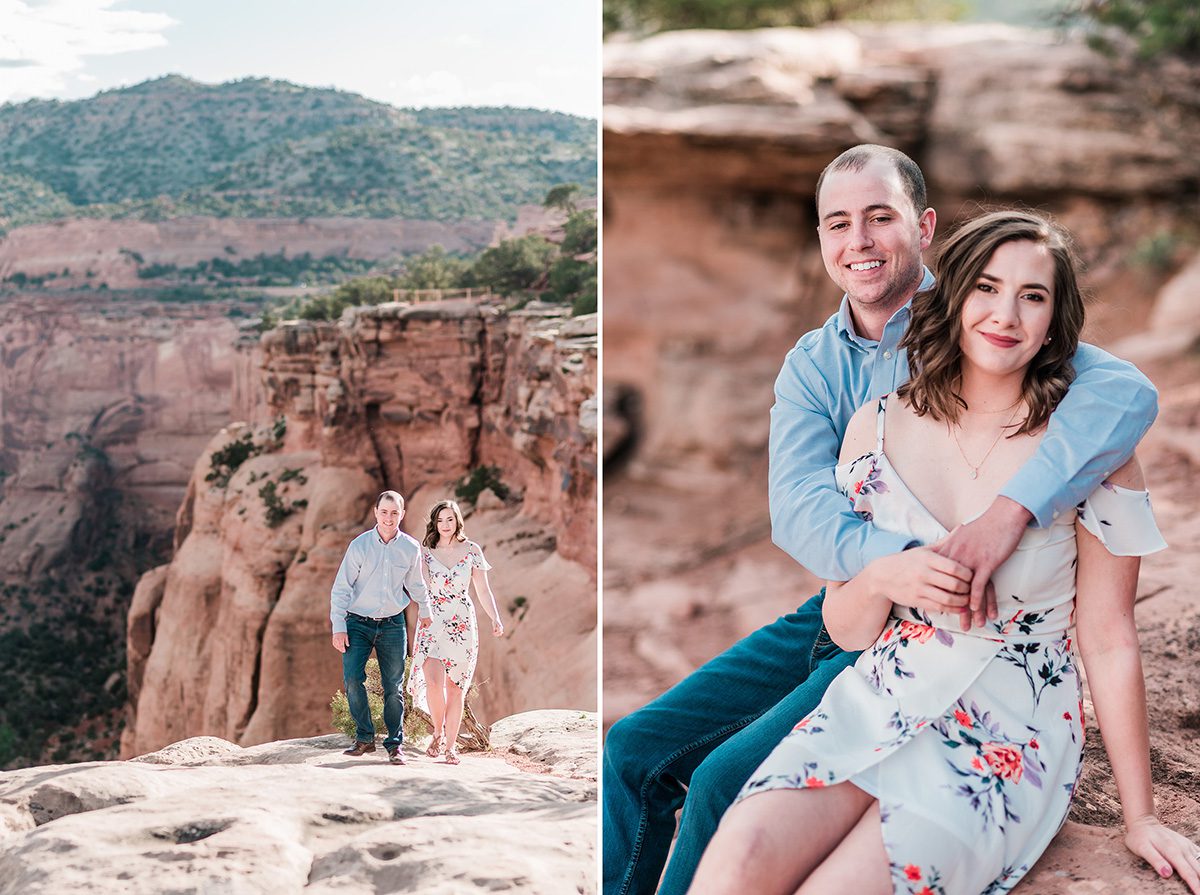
483 592
1108 644
856 611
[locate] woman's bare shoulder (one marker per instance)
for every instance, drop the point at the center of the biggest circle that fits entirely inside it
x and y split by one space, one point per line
860 433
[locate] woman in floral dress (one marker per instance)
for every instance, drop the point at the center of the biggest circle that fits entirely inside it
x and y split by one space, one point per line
944 761
446 650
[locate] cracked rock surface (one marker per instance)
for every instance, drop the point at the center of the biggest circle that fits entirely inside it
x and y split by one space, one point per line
206 816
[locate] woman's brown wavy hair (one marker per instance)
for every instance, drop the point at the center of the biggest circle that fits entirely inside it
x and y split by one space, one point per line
431 532
932 339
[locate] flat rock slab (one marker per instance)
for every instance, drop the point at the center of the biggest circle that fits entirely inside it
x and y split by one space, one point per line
206 816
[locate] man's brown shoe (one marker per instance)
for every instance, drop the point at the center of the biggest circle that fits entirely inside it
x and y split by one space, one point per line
360 748
395 756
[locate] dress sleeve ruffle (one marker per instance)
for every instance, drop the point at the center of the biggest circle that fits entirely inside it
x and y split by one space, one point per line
1122 520
477 557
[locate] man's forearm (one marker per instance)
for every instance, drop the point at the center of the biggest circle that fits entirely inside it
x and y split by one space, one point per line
1091 433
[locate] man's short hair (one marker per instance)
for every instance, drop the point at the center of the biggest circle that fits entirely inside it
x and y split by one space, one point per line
858 157
389 495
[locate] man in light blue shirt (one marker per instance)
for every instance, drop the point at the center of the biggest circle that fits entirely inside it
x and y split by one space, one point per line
379 574
706 735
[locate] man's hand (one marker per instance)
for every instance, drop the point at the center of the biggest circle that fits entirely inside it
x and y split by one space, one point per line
982 545
341 641
922 579
424 622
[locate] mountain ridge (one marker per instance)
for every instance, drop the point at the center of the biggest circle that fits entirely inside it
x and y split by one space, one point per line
259 147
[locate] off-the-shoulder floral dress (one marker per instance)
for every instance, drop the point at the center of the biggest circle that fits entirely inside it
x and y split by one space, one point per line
452 635
971 742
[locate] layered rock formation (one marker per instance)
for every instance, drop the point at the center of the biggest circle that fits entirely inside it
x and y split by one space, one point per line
91 252
104 407
231 639
205 815
713 142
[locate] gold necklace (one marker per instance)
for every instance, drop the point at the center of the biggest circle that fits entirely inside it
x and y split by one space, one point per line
993 412
975 467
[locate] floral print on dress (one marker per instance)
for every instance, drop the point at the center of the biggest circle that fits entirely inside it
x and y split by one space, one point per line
886 656
971 741
912 879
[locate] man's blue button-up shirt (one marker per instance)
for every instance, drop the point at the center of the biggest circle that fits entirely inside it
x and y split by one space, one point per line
832 371
377 578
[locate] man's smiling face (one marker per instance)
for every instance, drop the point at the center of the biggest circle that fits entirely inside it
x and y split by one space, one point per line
872 236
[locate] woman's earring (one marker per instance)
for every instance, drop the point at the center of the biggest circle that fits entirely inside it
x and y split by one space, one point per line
1049 339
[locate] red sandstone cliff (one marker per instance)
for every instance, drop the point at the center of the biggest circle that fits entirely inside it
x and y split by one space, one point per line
99 401
231 638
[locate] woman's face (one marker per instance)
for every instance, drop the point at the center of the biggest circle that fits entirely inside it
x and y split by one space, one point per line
446 523
1007 315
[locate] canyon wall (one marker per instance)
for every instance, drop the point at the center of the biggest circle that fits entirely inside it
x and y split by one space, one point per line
96 399
232 637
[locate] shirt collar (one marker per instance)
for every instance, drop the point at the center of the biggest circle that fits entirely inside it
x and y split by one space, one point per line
845 323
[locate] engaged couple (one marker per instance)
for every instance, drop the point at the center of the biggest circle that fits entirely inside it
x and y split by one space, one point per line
384 570
959 467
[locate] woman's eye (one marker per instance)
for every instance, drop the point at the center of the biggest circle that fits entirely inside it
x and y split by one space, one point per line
985 287
1034 296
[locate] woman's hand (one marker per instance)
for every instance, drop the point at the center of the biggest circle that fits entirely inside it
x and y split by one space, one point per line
1164 850
922 579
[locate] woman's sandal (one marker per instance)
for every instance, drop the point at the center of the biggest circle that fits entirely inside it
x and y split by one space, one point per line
435 747
452 756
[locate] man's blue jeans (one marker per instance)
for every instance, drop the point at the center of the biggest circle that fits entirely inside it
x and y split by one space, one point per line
389 638
704 737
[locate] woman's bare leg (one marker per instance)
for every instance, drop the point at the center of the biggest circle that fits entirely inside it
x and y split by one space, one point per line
770 842
859 863
454 713
435 693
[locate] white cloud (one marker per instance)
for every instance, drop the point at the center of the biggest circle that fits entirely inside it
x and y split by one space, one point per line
434 88
42 43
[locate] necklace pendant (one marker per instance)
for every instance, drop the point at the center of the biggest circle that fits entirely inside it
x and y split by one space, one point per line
974 474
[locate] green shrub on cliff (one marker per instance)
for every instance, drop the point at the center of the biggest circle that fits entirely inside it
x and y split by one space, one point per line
477 481
226 461
515 264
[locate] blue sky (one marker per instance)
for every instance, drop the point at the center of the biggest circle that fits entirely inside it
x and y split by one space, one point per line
539 53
